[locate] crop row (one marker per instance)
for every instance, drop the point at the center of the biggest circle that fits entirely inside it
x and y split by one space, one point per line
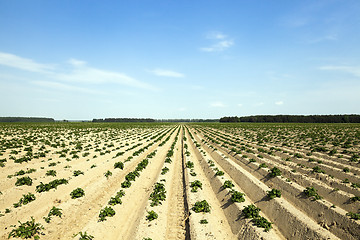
78 192
295 193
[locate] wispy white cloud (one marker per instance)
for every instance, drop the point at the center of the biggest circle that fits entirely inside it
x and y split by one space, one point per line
167 73
240 104
354 70
182 109
218 47
221 42
215 35
84 74
279 103
217 104
14 61
12 77
79 73
329 37
64 87
76 62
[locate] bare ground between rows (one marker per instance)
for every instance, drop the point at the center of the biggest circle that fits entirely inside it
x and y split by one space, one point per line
170 223
11 167
333 169
123 224
85 207
241 227
12 194
334 166
217 226
306 150
325 185
321 211
338 163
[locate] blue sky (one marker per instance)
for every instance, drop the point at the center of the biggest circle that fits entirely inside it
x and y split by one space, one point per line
178 59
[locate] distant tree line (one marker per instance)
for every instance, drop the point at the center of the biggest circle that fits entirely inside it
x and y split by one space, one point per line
25 119
152 120
188 120
295 119
229 119
124 120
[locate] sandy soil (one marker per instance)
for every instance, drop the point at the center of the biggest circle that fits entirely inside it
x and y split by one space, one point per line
94 151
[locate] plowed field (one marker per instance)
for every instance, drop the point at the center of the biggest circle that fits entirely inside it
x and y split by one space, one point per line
180 181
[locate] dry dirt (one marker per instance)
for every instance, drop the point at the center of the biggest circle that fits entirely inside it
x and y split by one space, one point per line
94 151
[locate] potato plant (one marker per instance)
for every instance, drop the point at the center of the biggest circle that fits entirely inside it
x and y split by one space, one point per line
77 193
189 164
108 174
317 169
126 184
262 222
77 173
51 173
237 196
195 185
28 229
164 170
263 165
84 236
158 195
274 193
151 215
131 176
355 198
274 172
312 192
203 221
355 216
51 185
106 212
192 172
23 181
251 211
26 198
201 206
228 184
2 162
219 172
19 173
54 211
117 199
119 165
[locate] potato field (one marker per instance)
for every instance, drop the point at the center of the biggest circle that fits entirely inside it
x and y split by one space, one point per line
179 181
